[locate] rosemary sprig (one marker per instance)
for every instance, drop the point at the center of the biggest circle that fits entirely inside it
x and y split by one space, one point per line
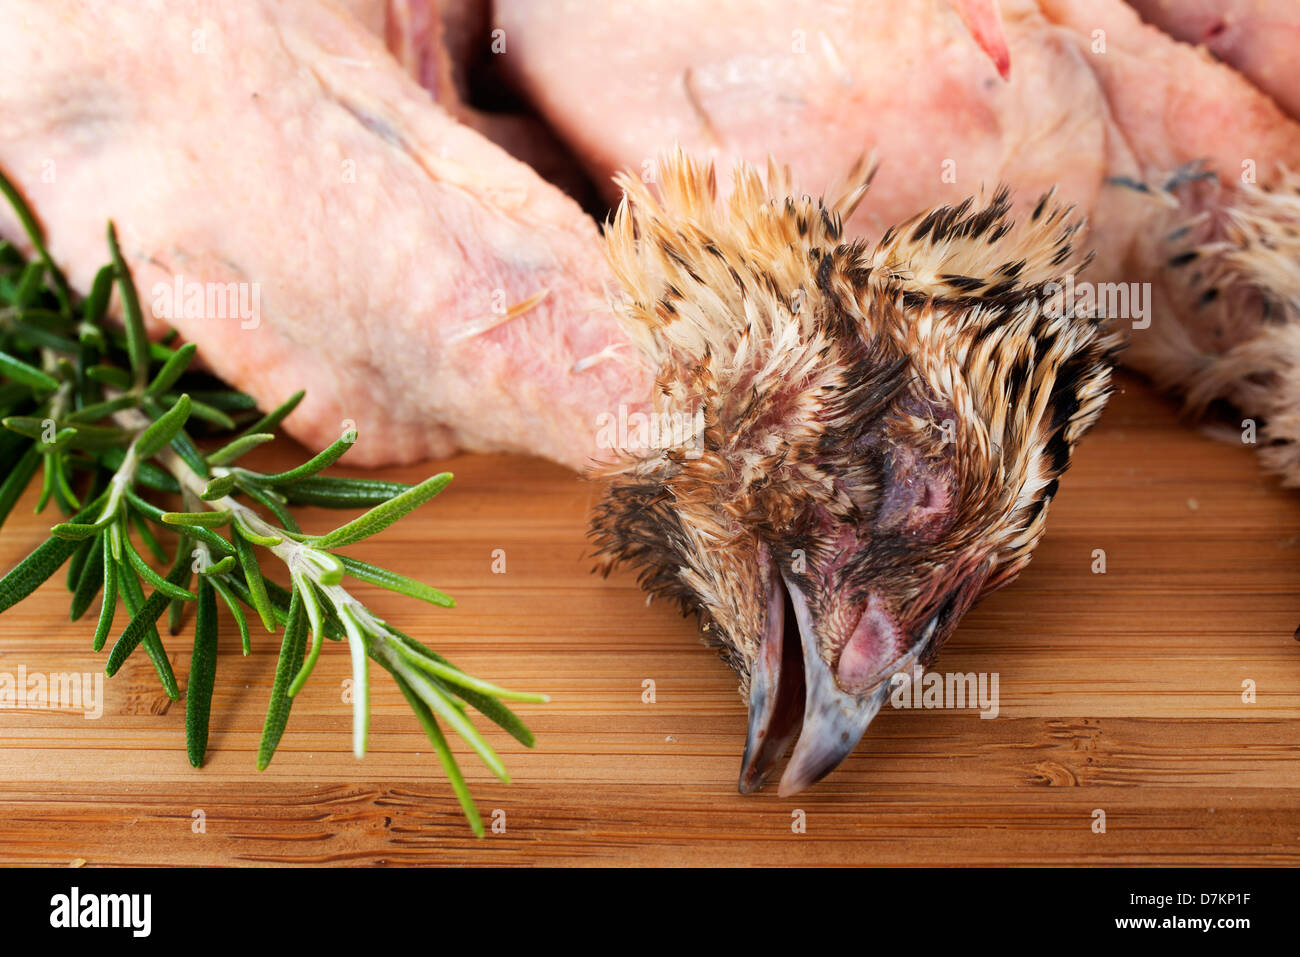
106 418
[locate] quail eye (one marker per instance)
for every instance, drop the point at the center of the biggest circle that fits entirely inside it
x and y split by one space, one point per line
918 494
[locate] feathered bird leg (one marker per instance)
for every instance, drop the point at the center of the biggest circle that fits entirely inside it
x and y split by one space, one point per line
1235 253
880 431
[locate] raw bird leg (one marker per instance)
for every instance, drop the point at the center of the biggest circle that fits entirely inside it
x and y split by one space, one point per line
417 281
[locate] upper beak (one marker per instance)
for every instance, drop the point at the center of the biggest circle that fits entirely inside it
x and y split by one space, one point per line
787 700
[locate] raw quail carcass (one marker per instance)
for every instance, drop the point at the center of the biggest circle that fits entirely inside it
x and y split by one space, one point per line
920 396
1177 161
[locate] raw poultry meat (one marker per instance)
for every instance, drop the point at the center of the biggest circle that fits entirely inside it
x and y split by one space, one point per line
420 282
279 145
378 299
1259 38
1111 112
438 42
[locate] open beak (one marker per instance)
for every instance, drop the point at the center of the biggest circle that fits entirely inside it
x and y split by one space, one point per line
793 692
776 693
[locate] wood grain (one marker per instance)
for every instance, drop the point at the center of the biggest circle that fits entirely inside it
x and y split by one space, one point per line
1119 691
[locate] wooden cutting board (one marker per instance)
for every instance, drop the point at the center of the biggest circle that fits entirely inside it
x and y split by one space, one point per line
1119 694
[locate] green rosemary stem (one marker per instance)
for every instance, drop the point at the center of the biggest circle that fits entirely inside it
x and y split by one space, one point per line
296 557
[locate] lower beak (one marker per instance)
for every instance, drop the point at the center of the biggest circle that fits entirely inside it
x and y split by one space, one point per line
793 692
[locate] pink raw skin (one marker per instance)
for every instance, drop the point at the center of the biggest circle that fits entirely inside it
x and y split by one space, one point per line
1094 94
874 648
1260 38
235 163
280 144
436 41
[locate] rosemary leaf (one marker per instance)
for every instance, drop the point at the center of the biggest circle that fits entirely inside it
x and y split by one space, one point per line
197 519
360 681
79 562
183 446
96 305
108 606
207 413
291 652
227 564
329 491
28 375
29 284
68 501
153 439
75 531
171 370
46 559
271 421
137 343
227 400
142 629
316 463
245 443
93 438
395 582
448 761
211 539
490 708
110 376
243 531
236 611
279 598
219 487
203 672
16 481
99 410
256 584
441 704
37 240
452 675
39 336
307 592
89 580
47 483
275 504
176 607
169 586
381 516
